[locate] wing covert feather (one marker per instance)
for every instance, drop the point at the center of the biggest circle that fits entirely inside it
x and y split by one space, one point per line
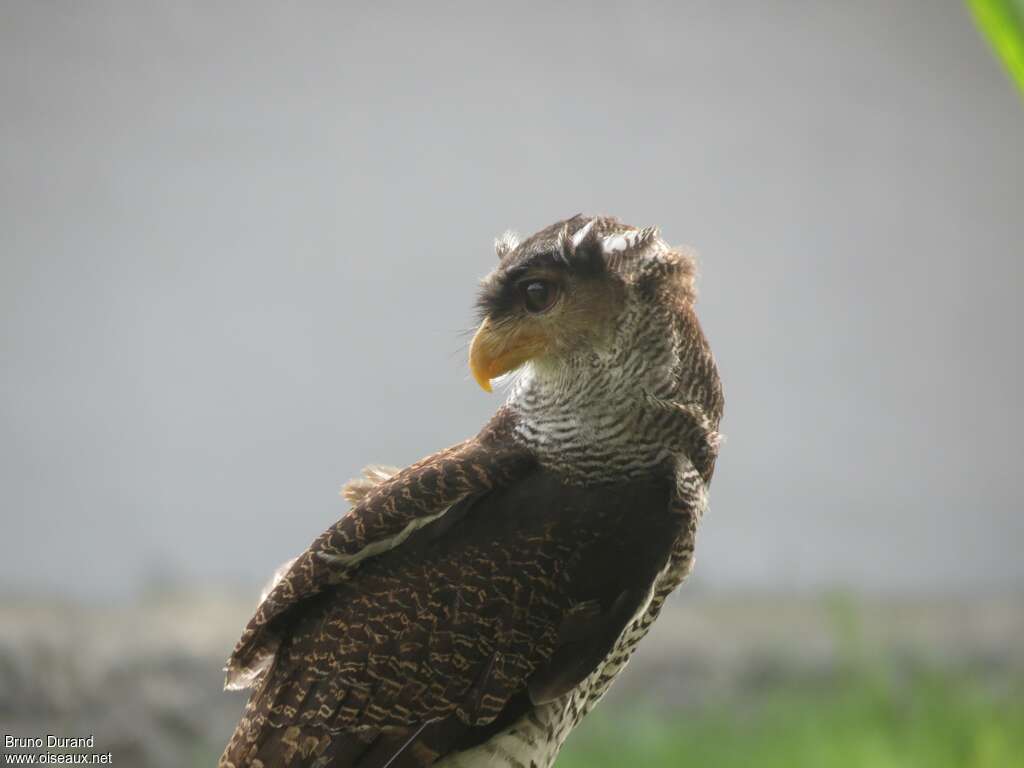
387 514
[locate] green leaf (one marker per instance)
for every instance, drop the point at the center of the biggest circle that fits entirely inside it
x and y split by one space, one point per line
1002 23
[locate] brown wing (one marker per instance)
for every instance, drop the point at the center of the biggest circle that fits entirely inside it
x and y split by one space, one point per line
385 516
436 644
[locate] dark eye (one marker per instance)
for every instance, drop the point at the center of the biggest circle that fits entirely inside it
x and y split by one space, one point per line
538 295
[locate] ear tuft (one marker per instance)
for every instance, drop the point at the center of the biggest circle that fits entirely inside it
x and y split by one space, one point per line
564 247
646 236
582 234
506 243
634 239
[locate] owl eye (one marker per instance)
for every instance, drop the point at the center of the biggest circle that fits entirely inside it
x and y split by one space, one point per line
538 295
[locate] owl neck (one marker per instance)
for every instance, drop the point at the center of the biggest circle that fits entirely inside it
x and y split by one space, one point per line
603 416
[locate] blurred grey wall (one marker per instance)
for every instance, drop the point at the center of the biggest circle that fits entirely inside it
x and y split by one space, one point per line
240 244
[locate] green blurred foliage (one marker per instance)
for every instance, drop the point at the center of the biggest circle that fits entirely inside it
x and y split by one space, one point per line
873 712
931 721
1002 23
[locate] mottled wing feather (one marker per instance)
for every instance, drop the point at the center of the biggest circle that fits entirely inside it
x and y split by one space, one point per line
388 513
446 632
355 490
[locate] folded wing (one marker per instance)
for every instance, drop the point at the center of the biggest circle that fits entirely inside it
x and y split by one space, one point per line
461 624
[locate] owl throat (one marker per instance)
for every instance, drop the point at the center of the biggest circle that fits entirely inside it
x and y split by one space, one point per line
605 415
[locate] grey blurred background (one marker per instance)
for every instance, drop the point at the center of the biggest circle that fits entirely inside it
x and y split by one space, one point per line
240 244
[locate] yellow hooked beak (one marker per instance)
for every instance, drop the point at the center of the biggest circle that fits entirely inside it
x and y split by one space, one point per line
495 351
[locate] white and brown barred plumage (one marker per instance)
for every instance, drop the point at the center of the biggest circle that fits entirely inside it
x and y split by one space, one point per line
470 609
